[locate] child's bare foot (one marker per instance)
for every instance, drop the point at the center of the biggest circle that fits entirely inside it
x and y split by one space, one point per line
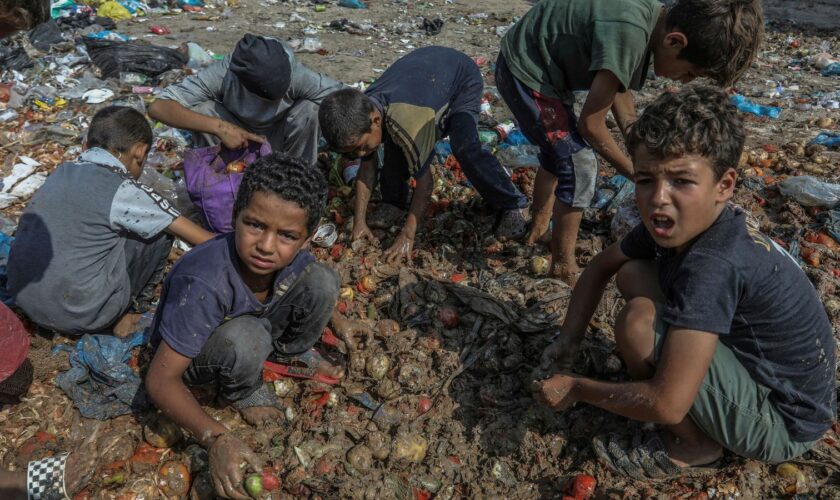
330 370
313 359
688 454
126 325
539 234
544 239
260 416
567 272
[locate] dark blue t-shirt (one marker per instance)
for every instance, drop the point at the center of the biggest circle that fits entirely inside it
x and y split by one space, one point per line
205 289
418 93
738 283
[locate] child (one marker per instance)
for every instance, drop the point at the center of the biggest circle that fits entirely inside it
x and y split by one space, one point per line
604 46
259 90
723 334
93 240
239 299
424 96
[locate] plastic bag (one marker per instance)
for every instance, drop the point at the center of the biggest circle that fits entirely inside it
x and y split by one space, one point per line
45 35
162 185
625 219
114 58
114 11
14 58
353 4
810 191
199 57
100 382
211 187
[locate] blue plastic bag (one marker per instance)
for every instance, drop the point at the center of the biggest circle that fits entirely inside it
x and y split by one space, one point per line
827 139
99 381
832 69
353 4
746 106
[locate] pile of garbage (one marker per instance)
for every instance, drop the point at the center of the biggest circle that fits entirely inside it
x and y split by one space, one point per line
436 401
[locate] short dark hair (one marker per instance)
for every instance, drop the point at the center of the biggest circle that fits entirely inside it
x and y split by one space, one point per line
118 128
723 35
344 116
696 120
25 14
291 179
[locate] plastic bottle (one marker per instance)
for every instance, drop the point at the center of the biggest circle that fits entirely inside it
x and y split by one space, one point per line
746 106
810 191
523 155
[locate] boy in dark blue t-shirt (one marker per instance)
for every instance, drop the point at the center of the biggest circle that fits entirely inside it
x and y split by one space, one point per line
724 336
426 95
242 297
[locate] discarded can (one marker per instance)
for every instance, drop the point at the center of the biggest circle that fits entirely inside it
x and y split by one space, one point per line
142 90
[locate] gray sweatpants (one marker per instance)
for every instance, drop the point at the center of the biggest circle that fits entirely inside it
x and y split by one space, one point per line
296 133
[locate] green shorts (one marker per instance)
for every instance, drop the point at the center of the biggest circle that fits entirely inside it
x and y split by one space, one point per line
735 410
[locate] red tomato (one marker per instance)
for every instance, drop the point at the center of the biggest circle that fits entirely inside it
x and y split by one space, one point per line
581 487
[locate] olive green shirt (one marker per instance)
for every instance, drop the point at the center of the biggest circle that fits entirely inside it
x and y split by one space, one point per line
559 45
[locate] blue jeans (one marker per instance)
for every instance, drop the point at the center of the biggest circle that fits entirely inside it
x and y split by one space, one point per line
234 354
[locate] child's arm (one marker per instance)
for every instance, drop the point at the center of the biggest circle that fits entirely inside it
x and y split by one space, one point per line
665 398
176 115
624 110
593 121
404 243
584 300
365 181
166 388
189 231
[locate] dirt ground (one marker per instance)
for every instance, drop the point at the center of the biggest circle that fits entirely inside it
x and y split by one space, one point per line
457 419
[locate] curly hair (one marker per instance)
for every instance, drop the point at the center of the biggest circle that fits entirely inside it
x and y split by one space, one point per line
291 179
25 14
723 35
696 120
344 116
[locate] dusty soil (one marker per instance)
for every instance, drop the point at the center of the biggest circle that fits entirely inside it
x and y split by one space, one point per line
444 432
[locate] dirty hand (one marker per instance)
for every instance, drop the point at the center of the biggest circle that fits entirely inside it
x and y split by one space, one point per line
559 356
401 248
347 329
234 137
556 392
361 231
229 457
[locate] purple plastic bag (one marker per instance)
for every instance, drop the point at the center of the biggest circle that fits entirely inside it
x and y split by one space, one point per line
211 188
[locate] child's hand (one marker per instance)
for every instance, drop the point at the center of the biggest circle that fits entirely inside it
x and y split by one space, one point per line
234 137
556 392
401 248
559 356
362 231
229 457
